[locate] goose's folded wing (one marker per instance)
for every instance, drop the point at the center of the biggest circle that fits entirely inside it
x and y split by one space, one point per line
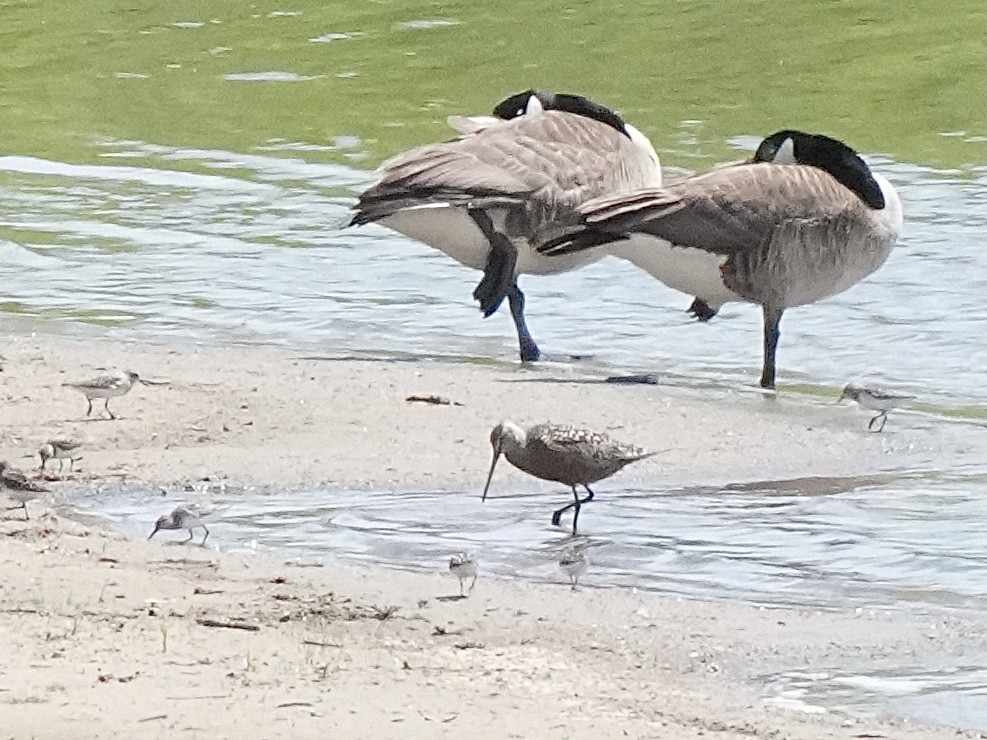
554 159
724 211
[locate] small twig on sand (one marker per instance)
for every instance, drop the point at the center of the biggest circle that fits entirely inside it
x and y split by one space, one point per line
151 719
434 400
316 643
229 624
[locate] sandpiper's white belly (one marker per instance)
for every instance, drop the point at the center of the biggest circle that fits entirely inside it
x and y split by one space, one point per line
693 271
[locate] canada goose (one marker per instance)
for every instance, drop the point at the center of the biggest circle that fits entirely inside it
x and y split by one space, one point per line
482 197
804 221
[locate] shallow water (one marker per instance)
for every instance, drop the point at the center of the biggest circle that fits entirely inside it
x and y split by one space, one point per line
956 694
912 541
874 541
262 257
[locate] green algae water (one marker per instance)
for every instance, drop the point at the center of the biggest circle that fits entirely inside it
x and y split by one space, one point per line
361 80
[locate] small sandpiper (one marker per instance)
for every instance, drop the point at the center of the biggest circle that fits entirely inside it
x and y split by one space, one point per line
463 566
61 450
875 400
573 563
575 457
106 387
183 517
19 487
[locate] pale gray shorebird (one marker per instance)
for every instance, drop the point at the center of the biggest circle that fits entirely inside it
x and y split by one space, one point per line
464 567
481 198
569 455
876 400
573 562
183 517
19 487
805 220
106 387
61 450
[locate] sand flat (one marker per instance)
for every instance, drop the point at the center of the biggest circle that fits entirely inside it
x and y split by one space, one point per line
116 638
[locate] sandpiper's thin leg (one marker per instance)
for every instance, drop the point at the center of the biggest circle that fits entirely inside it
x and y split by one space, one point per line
529 350
107 407
71 464
772 319
189 536
462 591
90 409
883 416
26 515
472 583
205 536
579 503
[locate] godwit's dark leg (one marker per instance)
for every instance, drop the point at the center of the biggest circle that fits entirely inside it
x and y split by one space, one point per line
205 537
579 503
772 318
701 310
107 407
498 274
529 350
90 409
557 516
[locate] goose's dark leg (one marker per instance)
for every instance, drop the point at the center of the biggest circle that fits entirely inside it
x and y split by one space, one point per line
498 274
529 350
772 318
701 310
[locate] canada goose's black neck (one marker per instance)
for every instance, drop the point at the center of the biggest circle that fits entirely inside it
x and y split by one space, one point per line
827 154
517 105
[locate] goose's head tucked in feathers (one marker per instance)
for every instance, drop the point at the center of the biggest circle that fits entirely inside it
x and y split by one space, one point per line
533 102
830 155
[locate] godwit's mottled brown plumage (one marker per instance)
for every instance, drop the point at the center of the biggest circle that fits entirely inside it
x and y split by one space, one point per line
569 455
